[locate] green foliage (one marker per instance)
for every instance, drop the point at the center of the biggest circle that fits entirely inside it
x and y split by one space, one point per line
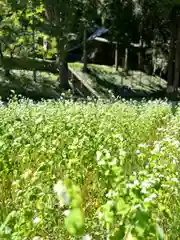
95 170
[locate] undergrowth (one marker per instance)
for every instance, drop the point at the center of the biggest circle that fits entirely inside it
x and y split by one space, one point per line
89 170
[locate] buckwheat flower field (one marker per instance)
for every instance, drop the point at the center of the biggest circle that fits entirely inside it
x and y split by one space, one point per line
89 171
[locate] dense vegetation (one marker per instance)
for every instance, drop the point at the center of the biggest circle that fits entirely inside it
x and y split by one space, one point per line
100 169
92 171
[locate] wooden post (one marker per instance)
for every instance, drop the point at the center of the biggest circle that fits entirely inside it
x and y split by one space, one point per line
126 60
116 56
85 50
140 54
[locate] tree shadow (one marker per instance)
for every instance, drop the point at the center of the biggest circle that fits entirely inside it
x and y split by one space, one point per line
26 87
121 90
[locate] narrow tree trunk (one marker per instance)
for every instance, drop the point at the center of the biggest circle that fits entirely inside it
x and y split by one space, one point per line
6 70
54 16
171 59
63 73
1 54
62 66
45 47
177 59
140 54
85 59
126 60
34 55
34 43
116 56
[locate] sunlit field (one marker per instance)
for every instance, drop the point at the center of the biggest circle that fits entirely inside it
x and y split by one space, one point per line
89 171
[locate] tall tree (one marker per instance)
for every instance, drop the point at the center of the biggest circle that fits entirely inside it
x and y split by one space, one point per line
88 9
119 19
63 16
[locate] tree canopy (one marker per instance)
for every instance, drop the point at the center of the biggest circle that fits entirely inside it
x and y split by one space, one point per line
47 29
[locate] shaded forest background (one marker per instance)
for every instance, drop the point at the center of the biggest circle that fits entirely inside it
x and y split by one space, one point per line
47 35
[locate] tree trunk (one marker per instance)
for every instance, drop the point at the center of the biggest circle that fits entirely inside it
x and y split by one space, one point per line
34 52
63 74
85 59
62 66
6 70
1 54
140 54
116 57
34 43
54 16
171 59
45 47
177 59
126 60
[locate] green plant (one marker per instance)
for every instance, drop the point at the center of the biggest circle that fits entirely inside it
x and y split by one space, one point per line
89 170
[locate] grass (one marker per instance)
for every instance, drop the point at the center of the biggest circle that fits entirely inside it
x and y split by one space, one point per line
135 83
103 80
89 171
21 82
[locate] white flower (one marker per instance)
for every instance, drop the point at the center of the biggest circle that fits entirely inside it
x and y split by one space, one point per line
143 145
100 215
102 162
143 191
113 162
86 237
122 153
66 213
15 183
175 180
138 152
176 143
136 182
147 166
150 198
119 136
37 238
36 220
146 184
8 230
110 202
174 161
157 149
153 196
111 194
130 185
138 206
98 155
59 188
108 155
61 191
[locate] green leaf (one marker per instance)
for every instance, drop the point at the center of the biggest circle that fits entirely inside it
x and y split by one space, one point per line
119 233
130 237
74 222
122 207
160 232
